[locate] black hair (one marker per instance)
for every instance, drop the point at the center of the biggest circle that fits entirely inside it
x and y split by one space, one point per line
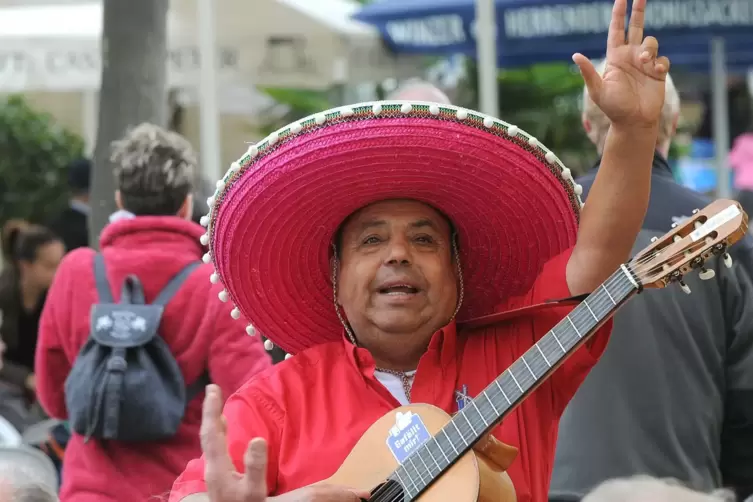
21 241
79 176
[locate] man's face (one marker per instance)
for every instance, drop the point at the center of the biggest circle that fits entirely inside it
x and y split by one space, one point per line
397 275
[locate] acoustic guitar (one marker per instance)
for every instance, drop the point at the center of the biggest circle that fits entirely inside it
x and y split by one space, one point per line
419 452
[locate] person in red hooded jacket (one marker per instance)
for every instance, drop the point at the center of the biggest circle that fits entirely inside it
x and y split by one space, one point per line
153 237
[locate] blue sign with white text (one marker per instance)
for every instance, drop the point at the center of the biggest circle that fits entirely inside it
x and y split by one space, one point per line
407 435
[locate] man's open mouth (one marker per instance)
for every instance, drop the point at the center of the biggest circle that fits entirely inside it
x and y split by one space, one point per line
398 289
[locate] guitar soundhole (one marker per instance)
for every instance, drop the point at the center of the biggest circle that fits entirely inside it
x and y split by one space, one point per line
389 491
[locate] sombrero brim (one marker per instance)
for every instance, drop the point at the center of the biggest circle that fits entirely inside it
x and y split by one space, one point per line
273 218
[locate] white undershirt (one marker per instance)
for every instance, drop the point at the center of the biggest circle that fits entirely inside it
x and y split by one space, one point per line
394 384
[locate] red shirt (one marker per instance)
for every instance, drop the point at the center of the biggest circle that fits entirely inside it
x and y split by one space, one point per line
197 327
313 408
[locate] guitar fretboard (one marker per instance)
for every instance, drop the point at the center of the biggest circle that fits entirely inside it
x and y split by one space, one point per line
509 389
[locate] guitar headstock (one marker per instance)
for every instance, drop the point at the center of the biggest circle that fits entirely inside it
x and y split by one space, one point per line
707 233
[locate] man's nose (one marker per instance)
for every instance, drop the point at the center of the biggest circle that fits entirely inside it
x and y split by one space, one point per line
398 253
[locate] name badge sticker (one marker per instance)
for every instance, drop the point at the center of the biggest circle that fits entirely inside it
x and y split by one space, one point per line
407 435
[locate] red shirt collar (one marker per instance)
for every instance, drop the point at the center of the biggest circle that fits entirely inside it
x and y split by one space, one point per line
442 351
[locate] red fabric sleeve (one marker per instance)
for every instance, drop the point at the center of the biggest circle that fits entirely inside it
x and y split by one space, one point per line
51 365
234 356
249 415
551 284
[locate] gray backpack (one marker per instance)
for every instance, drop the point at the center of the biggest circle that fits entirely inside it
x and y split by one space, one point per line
125 384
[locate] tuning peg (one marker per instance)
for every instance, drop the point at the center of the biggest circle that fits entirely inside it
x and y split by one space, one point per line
684 287
727 260
674 225
706 273
695 211
654 239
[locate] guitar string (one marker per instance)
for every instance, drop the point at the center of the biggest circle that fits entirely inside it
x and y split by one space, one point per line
395 491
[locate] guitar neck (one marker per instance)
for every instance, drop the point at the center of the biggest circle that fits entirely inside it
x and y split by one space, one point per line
513 386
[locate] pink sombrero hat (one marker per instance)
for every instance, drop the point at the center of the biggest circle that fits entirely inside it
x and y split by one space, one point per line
276 211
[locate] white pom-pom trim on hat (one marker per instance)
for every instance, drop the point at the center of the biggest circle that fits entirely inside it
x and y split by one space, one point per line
223 296
235 313
204 239
250 330
269 345
288 356
376 109
214 278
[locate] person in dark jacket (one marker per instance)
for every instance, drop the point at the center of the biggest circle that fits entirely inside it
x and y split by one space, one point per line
72 223
33 254
683 408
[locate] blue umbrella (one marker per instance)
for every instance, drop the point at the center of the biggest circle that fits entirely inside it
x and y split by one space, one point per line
693 33
533 31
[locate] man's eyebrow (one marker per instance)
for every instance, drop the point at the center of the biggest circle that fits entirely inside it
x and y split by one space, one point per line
368 224
424 222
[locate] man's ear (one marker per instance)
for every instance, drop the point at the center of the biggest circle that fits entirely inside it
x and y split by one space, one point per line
118 200
586 124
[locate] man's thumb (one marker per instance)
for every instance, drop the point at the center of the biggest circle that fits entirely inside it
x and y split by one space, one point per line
590 75
255 462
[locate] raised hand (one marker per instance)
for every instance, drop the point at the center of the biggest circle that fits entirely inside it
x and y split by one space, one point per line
225 484
630 91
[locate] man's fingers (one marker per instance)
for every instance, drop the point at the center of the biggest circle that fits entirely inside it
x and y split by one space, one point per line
637 21
216 458
590 76
649 50
616 36
255 477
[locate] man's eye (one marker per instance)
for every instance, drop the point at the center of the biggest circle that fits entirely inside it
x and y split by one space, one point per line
371 240
425 239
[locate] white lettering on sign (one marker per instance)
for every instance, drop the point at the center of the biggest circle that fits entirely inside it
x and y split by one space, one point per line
587 18
433 31
715 222
74 66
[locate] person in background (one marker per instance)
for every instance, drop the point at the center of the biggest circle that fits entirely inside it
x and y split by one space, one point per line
741 160
419 90
26 476
673 393
33 254
72 223
154 171
648 489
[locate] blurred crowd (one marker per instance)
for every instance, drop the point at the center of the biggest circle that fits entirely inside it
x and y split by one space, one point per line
672 397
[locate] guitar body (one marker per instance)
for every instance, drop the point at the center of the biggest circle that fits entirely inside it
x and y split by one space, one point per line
479 475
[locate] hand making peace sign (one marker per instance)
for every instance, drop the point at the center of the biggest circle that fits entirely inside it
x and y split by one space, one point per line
631 90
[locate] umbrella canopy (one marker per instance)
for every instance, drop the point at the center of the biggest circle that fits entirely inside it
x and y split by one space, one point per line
533 31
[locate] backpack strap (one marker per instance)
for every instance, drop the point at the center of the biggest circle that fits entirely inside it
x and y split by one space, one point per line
100 278
174 285
164 296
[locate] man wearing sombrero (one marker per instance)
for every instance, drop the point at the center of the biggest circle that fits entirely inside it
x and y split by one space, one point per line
364 240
